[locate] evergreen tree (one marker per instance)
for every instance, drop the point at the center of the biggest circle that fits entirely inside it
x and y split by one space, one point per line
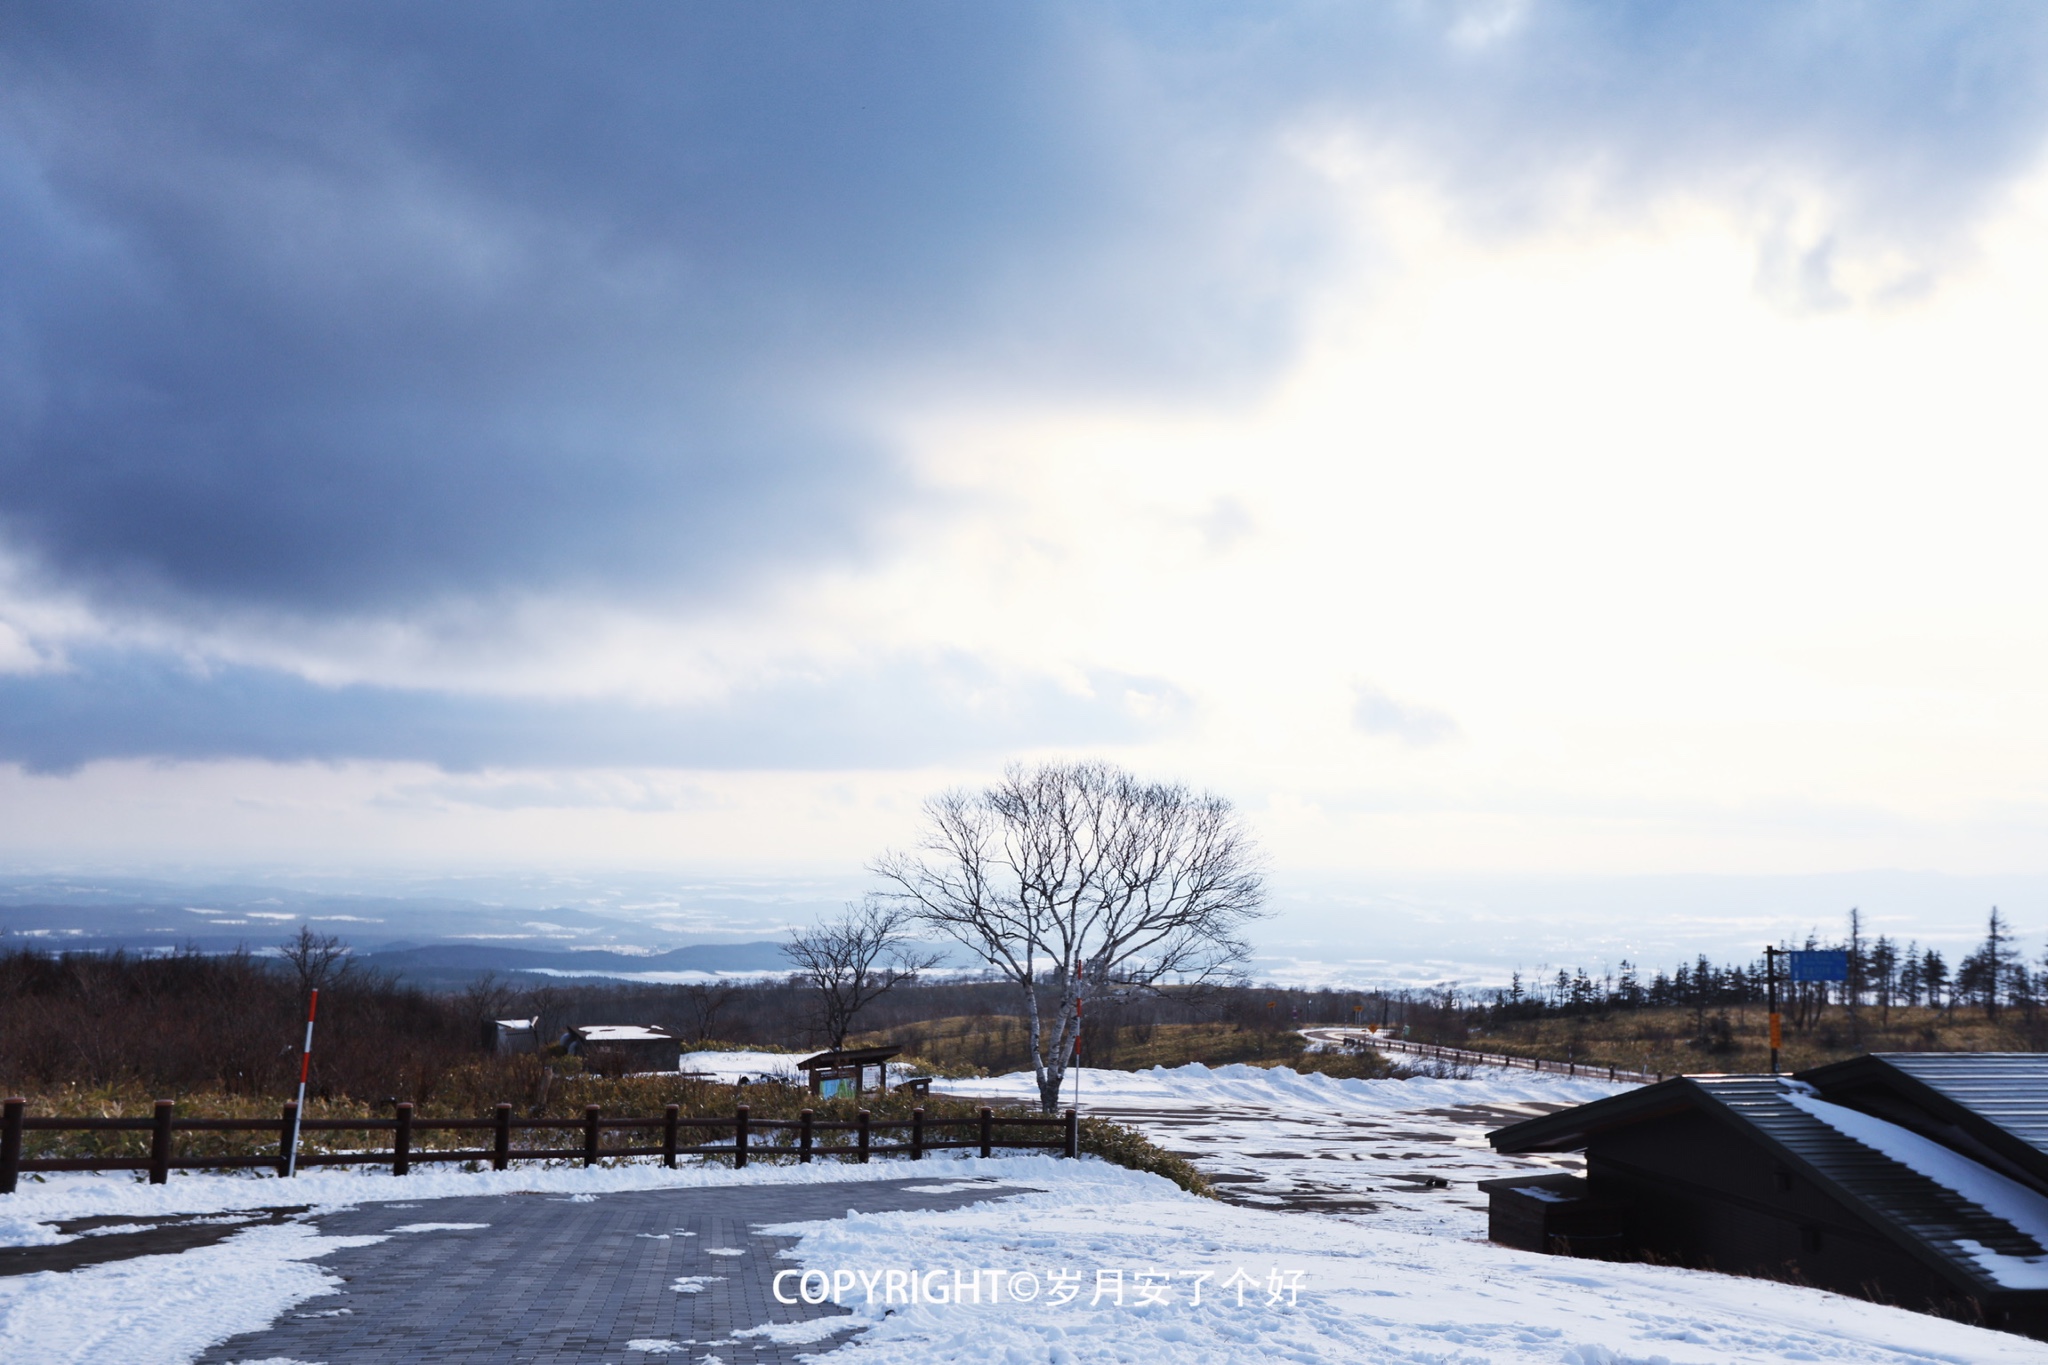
1934 978
1909 974
1993 959
1884 972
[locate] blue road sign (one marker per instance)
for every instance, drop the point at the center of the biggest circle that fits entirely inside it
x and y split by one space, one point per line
1827 964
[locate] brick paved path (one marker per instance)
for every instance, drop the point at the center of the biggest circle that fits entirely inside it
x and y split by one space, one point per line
554 1279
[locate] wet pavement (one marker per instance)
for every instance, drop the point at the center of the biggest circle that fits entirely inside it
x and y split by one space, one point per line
539 1278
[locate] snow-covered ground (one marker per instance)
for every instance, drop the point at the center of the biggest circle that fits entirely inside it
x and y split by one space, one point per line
1362 1149
163 1309
1386 1268
1320 1291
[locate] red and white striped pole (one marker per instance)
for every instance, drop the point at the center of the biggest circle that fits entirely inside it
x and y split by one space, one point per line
291 1161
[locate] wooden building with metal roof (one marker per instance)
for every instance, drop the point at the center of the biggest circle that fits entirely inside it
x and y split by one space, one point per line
846 1069
1833 1179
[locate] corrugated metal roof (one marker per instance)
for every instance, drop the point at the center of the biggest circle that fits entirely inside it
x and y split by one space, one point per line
2009 1089
1919 1212
1930 1213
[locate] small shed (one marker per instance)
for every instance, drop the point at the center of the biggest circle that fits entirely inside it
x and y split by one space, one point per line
515 1035
844 1071
636 1047
1559 1214
1770 1176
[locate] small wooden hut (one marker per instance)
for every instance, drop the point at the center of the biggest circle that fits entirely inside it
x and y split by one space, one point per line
844 1071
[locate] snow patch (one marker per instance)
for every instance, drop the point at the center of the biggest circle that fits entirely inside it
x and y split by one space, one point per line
165 1308
1239 1084
798 1333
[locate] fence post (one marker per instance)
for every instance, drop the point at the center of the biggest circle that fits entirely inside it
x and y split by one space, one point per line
401 1142
917 1134
987 1130
590 1112
804 1139
10 1143
501 1139
739 1138
284 1138
668 1135
1073 1134
861 1122
160 1144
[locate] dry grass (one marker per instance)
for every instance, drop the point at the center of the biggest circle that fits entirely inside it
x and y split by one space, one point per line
1670 1040
563 1098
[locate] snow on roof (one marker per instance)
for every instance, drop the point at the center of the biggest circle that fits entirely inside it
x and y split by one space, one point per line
623 1033
1996 1194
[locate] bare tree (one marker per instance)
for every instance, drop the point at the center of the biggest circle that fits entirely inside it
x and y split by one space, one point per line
855 959
487 999
1073 879
548 1005
316 959
702 1002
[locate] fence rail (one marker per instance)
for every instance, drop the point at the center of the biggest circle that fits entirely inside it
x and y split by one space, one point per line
747 1136
1459 1056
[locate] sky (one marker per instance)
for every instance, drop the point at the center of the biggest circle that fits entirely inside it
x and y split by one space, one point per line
1538 441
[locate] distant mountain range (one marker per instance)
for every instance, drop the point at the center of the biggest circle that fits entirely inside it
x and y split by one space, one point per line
447 963
431 941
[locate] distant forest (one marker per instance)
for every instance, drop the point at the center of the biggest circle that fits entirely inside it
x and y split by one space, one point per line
1882 974
231 1022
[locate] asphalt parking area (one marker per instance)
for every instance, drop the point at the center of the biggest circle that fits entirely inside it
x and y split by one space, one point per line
628 1277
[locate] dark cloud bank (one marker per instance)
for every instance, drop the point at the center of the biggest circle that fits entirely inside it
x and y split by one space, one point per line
341 310
900 713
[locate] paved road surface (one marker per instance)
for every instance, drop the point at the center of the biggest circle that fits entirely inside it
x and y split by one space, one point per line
551 1278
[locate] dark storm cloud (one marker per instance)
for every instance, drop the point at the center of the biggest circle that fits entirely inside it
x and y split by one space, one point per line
330 307
335 307
338 309
900 713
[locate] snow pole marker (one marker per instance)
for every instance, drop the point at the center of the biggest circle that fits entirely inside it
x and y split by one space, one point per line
291 1160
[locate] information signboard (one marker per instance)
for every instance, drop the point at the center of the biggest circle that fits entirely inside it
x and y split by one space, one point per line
1826 964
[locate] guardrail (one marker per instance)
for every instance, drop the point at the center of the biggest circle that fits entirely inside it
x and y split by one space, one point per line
798 1137
1459 1056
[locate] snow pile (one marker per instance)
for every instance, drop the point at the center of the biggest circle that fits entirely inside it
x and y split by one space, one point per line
1381 1296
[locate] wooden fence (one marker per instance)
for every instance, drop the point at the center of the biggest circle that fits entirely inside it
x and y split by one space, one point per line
1458 1056
798 1137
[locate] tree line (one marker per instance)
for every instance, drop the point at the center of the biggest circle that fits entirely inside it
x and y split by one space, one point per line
1882 974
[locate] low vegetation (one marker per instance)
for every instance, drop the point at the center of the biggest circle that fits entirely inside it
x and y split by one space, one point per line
1737 1038
471 1093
